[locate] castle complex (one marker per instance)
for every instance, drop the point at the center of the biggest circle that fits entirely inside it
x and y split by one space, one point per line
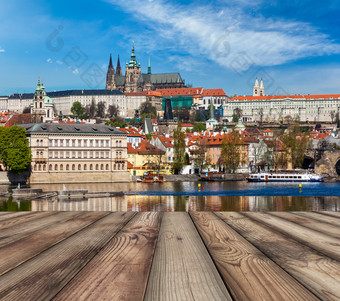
136 81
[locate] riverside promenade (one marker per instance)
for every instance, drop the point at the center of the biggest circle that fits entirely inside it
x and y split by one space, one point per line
169 256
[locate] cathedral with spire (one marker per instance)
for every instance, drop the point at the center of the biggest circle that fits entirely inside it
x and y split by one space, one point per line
136 81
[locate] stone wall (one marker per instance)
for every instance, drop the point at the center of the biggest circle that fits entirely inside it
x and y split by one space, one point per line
83 177
326 165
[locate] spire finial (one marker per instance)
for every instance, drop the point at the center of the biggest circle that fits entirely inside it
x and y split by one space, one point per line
110 62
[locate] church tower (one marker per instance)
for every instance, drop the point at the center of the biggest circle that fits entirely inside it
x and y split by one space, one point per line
262 88
118 69
132 73
110 76
256 89
42 106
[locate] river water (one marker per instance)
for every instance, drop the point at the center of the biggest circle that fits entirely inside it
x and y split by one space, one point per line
187 196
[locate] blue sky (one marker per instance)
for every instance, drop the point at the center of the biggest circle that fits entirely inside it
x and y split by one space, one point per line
293 45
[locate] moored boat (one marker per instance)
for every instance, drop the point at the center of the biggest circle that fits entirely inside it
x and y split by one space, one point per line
151 177
284 176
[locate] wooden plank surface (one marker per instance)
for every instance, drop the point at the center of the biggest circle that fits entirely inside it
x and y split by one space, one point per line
182 268
15 221
29 246
42 277
247 272
15 233
7 215
318 273
324 243
328 219
310 223
331 213
121 270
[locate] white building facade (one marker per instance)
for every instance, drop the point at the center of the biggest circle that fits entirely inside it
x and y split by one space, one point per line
313 108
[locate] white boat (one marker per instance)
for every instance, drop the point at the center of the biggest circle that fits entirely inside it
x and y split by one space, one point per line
284 176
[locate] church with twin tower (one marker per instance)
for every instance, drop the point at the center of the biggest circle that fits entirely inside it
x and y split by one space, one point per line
136 81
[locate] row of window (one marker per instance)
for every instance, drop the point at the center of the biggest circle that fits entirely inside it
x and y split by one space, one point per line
60 167
80 155
79 142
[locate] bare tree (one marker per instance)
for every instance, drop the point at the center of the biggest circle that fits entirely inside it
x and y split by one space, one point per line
113 111
101 109
261 116
332 113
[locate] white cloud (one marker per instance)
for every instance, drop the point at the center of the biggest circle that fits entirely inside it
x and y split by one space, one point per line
2 50
49 60
59 62
75 71
229 37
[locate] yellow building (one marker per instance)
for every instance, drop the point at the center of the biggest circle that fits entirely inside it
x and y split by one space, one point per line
146 157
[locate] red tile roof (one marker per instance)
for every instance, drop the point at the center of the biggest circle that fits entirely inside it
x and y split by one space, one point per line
144 148
18 119
180 91
213 92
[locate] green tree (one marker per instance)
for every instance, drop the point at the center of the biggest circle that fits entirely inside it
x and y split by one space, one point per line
200 160
179 148
78 110
295 144
199 127
14 150
230 155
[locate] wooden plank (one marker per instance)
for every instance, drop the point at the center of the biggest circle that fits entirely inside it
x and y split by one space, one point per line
120 271
182 268
324 243
42 277
318 273
331 213
14 222
247 272
13 234
29 246
9 214
310 223
329 219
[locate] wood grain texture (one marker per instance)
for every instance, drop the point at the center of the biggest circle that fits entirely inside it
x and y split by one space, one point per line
8 214
332 213
15 233
328 219
42 277
310 223
335 216
321 242
182 268
21 219
121 270
247 272
318 273
31 245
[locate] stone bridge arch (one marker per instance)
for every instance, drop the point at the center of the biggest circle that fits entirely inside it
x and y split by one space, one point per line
329 163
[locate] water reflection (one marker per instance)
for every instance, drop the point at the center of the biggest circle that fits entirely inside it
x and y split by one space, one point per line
179 203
